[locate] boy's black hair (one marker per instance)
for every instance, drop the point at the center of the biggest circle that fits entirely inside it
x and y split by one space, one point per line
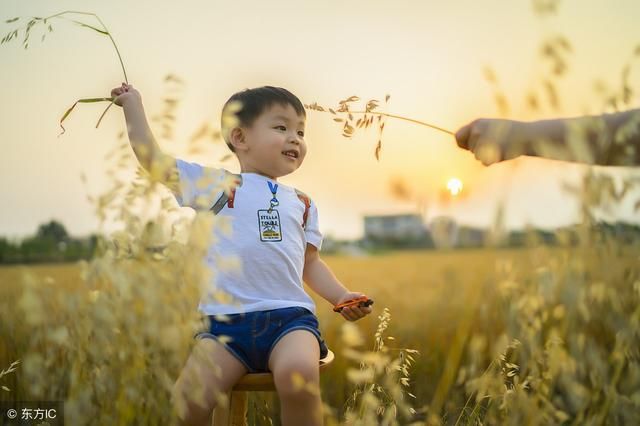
253 102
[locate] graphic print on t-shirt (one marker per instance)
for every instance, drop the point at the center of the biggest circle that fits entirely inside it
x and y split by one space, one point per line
269 225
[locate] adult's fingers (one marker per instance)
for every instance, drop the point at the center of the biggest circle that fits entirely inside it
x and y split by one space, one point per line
462 136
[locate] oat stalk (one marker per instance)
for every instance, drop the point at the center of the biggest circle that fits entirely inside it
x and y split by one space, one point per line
367 119
11 369
411 120
104 31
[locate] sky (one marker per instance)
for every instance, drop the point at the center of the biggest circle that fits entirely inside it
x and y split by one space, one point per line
429 56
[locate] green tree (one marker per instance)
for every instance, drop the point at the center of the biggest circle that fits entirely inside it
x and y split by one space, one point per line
54 231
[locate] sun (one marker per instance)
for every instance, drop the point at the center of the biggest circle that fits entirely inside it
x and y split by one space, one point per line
454 185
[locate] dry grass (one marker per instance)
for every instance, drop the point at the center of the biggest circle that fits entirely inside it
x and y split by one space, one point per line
514 336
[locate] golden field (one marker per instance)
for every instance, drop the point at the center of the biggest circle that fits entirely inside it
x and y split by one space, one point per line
528 335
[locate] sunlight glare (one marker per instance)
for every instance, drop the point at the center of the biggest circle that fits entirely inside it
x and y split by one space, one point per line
454 185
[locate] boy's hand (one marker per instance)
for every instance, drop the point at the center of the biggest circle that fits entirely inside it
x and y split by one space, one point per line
353 313
125 94
492 140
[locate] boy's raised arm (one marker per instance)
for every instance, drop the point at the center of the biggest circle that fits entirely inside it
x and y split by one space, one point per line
149 154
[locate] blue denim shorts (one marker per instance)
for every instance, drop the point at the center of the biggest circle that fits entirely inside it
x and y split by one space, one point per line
254 334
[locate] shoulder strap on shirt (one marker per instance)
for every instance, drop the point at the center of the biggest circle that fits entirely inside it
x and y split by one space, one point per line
227 198
307 204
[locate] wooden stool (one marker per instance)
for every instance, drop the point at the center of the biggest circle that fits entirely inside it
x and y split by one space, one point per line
236 413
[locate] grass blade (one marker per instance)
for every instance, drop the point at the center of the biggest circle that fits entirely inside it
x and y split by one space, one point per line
84 101
104 112
82 24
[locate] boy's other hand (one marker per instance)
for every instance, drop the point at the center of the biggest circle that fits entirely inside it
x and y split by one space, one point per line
353 313
124 94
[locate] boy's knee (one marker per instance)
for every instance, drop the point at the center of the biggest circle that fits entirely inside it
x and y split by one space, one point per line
192 407
297 380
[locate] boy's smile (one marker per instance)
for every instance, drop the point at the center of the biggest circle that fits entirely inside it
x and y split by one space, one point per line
274 144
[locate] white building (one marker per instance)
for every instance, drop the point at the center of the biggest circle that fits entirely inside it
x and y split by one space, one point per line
400 226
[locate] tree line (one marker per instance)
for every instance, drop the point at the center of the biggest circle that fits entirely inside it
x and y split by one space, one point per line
51 243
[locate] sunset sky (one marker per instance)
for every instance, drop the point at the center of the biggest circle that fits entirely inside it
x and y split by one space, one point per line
430 56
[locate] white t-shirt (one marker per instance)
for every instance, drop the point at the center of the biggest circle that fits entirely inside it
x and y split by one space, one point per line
270 246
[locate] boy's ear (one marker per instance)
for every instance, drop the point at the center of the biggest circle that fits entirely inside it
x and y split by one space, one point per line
237 139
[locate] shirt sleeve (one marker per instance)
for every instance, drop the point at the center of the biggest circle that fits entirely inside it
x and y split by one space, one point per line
312 230
199 187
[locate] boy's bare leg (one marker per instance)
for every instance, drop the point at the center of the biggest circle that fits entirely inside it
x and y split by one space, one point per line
297 354
210 371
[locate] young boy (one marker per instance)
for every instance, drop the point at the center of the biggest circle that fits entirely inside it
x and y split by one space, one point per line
271 322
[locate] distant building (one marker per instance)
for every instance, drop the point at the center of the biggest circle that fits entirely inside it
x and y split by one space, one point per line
342 247
446 233
394 227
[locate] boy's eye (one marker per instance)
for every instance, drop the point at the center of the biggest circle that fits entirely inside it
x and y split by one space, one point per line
301 134
280 128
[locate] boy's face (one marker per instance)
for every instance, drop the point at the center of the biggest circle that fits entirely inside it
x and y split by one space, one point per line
274 144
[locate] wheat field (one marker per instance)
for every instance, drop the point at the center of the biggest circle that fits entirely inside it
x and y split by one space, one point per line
536 335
